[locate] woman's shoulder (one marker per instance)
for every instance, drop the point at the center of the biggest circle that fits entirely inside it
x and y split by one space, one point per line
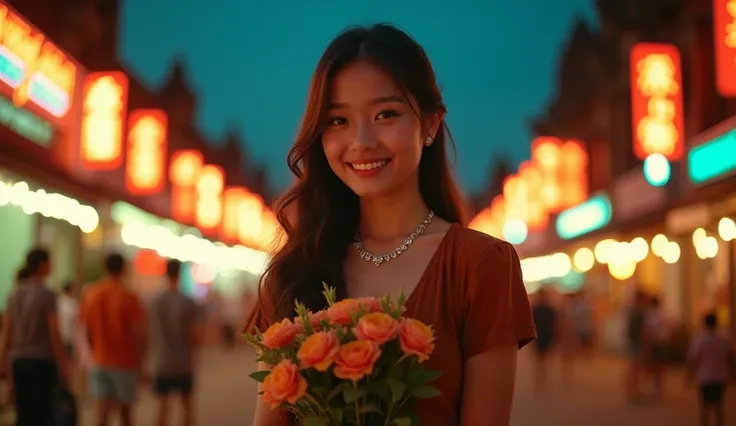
473 246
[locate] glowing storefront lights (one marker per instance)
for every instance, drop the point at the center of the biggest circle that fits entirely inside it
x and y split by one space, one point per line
727 229
706 246
192 248
49 204
583 260
542 268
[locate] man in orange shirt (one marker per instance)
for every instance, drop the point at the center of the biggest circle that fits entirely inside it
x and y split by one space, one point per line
113 320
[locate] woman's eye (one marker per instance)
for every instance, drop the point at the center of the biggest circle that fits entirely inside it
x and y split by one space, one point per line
336 121
387 114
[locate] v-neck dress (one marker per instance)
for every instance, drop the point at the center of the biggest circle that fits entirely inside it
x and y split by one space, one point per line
473 296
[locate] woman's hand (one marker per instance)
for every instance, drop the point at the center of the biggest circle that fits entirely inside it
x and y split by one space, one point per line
488 387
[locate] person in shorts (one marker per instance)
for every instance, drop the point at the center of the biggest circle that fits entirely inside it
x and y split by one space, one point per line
711 359
174 332
112 318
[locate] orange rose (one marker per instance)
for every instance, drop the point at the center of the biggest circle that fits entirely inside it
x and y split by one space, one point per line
318 351
280 334
314 318
284 384
377 327
416 338
340 312
371 304
356 359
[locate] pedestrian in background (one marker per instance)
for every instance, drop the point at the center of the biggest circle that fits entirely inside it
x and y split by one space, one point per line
711 361
175 330
112 318
32 340
546 319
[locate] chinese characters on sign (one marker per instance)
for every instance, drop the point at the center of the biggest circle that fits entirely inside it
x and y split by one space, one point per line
210 185
656 101
105 98
564 173
33 67
183 170
724 31
555 179
146 152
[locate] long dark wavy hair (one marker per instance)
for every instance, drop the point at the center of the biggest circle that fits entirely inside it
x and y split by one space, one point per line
320 214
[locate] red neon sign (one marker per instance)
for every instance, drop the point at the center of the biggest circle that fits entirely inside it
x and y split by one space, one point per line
210 184
183 172
105 100
724 31
146 152
656 100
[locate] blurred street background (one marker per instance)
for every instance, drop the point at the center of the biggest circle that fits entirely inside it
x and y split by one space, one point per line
142 143
225 397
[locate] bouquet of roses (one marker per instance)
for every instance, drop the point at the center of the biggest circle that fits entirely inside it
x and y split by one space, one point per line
358 362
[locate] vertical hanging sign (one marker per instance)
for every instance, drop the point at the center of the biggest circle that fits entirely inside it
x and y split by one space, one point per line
145 163
656 101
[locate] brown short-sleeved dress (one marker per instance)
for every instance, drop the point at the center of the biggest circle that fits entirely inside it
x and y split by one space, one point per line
473 296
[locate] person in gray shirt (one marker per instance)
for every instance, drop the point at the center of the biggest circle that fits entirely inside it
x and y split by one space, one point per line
174 333
31 338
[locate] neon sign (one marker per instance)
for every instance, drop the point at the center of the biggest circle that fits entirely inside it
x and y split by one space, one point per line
146 152
250 212
183 170
586 217
234 197
724 31
209 188
35 69
26 124
563 167
105 101
656 101
713 159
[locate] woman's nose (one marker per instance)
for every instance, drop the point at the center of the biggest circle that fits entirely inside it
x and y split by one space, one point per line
365 136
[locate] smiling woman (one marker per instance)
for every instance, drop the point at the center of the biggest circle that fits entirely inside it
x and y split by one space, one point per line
373 177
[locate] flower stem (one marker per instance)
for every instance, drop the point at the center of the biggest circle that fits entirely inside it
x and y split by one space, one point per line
357 408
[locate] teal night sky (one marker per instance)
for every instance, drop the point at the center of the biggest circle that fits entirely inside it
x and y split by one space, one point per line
251 62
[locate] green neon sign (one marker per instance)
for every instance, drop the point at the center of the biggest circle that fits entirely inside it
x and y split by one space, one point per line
713 159
595 213
26 123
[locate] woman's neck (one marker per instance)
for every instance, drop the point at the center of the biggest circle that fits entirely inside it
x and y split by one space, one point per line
387 218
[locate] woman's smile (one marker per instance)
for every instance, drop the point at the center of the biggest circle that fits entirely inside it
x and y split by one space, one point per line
368 168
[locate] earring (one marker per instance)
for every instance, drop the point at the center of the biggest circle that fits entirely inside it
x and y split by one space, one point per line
428 141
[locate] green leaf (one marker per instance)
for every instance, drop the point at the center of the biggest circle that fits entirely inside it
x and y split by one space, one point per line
259 376
337 414
352 394
401 421
420 376
336 391
381 388
370 408
397 388
425 392
316 421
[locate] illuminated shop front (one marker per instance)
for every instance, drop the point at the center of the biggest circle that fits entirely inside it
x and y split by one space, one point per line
707 228
148 240
30 216
39 127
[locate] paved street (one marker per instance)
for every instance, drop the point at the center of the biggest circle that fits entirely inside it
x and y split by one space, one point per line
226 397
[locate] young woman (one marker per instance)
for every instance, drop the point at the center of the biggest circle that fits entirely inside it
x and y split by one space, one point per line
375 211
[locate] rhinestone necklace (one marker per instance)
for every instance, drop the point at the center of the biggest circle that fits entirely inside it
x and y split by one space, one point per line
378 260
